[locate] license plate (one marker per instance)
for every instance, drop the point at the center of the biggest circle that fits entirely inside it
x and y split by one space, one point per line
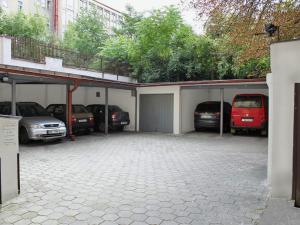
123 123
52 131
206 116
247 120
82 121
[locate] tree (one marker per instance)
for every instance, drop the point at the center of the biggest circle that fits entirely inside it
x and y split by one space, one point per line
87 34
243 20
21 25
129 24
162 48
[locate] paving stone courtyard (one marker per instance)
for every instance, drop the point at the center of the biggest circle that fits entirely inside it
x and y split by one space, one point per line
142 179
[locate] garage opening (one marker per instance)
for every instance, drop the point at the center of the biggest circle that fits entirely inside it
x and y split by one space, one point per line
64 92
221 95
156 113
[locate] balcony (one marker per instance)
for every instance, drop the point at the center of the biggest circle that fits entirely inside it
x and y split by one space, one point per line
30 53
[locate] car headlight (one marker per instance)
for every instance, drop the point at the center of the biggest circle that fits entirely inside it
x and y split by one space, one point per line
62 125
36 126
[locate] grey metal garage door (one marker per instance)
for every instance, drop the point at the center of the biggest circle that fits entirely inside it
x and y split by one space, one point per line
156 113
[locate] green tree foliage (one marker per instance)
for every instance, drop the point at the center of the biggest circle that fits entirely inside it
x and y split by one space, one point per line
87 34
129 24
161 47
21 25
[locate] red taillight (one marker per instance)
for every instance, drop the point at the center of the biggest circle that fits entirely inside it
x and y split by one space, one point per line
73 119
91 120
217 114
114 116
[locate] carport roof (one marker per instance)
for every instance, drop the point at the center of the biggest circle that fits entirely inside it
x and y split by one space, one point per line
235 83
36 76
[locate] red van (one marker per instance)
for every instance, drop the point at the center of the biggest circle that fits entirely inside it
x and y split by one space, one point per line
250 112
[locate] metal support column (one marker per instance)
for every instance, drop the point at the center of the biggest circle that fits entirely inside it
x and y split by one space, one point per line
106 110
69 108
221 111
136 110
13 98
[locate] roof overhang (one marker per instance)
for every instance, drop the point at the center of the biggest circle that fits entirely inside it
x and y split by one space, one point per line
215 84
24 75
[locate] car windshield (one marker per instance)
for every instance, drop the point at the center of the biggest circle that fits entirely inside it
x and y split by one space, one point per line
115 108
31 110
248 102
79 109
209 107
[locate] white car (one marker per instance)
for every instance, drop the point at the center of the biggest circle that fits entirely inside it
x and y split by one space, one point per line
36 123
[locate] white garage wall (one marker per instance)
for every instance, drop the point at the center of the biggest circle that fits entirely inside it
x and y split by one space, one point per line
285 73
189 101
56 94
214 94
5 92
175 90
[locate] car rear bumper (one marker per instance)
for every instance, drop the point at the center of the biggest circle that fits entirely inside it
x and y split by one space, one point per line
247 127
47 134
120 123
207 123
82 127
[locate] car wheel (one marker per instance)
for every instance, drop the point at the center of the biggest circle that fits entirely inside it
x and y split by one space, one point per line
101 127
264 132
225 128
233 131
24 139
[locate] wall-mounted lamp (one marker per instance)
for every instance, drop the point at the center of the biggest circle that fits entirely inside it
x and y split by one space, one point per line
5 79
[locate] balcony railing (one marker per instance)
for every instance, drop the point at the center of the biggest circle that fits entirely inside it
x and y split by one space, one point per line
36 51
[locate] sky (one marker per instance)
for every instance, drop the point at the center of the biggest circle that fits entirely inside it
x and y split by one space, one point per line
189 15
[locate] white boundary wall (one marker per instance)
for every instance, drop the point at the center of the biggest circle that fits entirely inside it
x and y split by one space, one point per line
55 94
285 58
51 64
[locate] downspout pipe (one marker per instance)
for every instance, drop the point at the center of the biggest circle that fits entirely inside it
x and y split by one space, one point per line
55 16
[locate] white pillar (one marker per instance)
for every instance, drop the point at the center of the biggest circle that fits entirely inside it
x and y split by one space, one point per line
106 110
221 111
13 98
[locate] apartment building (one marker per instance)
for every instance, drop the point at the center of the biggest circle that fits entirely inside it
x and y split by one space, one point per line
61 12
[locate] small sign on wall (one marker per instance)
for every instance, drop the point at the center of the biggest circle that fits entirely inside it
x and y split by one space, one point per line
98 95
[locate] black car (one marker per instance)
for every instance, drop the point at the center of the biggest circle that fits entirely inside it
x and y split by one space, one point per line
82 120
207 115
117 118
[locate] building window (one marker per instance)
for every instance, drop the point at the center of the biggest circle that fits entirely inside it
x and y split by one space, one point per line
48 4
83 4
20 5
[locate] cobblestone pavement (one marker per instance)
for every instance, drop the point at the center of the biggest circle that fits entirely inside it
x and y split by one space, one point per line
141 179
280 212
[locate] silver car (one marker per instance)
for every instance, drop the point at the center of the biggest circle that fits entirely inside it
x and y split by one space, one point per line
36 123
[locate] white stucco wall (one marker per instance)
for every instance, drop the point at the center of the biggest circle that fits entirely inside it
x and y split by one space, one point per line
175 90
55 94
190 98
230 93
285 58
